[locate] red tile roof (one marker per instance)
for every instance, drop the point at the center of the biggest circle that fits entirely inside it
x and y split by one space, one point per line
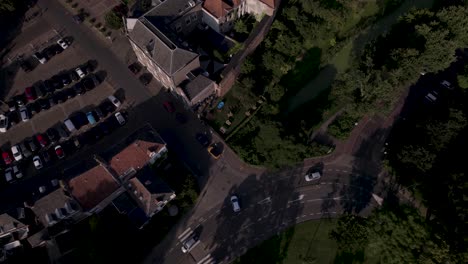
92 187
135 155
219 8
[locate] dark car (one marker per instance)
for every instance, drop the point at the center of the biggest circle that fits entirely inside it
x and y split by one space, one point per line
60 97
31 144
43 103
107 107
52 101
39 90
74 76
40 57
62 132
19 99
79 119
56 49
45 156
66 80
79 88
48 52
99 113
88 84
69 93
42 140
135 67
48 87
203 139
25 65
11 105
78 19
52 134
13 117
33 107
57 82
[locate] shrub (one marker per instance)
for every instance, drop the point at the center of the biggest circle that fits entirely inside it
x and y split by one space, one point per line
342 126
113 20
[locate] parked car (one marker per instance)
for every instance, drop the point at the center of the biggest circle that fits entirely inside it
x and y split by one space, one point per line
91 118
88 84
16 171
99 113
66 80
189 243
69 93
235 203
78 19
4 123
169 107
24 113
11 105
40 57
60 97
80 73
52 101
48 87
13 117
9 174
79 119
62 44
56 82
120 119
45 156
24 150
31 144
114 101
74 76
446 84
20 100
38 90
42 140
37 162
16 151
43 103
145 79
25 65
62 132
59 152
107 107
52 134
33 108
7 157
77 142
29 93
79 89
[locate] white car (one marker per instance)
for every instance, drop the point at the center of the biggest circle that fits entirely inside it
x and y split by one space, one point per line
15 150
446 84
313 176
120 118
235 203
8 174
37 162
114 101
80 73
42 189
3 123
17 172
62 43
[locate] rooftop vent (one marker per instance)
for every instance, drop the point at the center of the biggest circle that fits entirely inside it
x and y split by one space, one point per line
150 47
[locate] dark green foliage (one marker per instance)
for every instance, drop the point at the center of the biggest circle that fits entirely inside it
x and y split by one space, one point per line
114 20
343 124
462 78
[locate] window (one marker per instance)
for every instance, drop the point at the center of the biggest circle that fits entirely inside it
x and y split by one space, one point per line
194 16
187 20
178 27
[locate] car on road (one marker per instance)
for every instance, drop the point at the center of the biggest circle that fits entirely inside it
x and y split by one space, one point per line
29 93
7 157
37 162
80 73
203 139
313 176
41 139
189 243
114 101
9 174
3 123
18 174
41 58
59 152
24 114
120 119
62 44
235 203
215 150
169 107
16 151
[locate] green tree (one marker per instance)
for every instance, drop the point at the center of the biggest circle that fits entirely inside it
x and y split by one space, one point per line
7 5
351 234
113 20
241 27
462 78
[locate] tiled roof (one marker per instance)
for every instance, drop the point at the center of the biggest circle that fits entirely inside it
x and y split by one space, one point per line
92 187
219 8
160 48
50 203
135 155
9 224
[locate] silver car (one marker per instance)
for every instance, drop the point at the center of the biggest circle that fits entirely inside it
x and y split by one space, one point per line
189 244
313 176
3 123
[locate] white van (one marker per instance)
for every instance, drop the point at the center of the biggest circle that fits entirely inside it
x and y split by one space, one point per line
69 125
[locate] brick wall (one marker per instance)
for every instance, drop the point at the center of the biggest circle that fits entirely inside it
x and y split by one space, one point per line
232 70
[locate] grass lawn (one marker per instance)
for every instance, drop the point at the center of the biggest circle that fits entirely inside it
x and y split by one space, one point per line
307 242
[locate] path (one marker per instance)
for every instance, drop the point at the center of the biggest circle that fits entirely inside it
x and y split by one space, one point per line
327 75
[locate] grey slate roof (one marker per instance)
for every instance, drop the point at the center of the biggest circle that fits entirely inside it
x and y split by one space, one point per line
196 86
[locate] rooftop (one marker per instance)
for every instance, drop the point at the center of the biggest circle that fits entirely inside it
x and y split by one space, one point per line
196 86
9 224
92 187
54 206
220 8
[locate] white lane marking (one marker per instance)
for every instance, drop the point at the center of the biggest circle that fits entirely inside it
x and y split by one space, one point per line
273 212
217 211
204 259
333 212
304 215
202 220
311 214
266 200
298 199
298 217
259 219
184 233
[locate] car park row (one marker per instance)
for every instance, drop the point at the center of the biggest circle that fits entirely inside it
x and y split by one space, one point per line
61 140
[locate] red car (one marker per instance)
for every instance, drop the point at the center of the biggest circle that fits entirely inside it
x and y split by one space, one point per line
42 141
169 107
6 158
59 152
29 93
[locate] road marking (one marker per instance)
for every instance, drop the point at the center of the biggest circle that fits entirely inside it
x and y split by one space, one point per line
298 217
204 259
184 233
202 220
273 212
298 199
304 215
333 212
311 214
217 211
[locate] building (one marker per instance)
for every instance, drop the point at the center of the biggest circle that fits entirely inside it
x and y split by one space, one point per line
220 15
12 231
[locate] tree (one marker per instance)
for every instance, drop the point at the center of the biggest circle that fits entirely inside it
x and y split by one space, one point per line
351 234
241 27
7 5
113 20
462 78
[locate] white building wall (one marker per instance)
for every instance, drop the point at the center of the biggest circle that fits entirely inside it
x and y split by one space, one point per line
258 8
210 20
